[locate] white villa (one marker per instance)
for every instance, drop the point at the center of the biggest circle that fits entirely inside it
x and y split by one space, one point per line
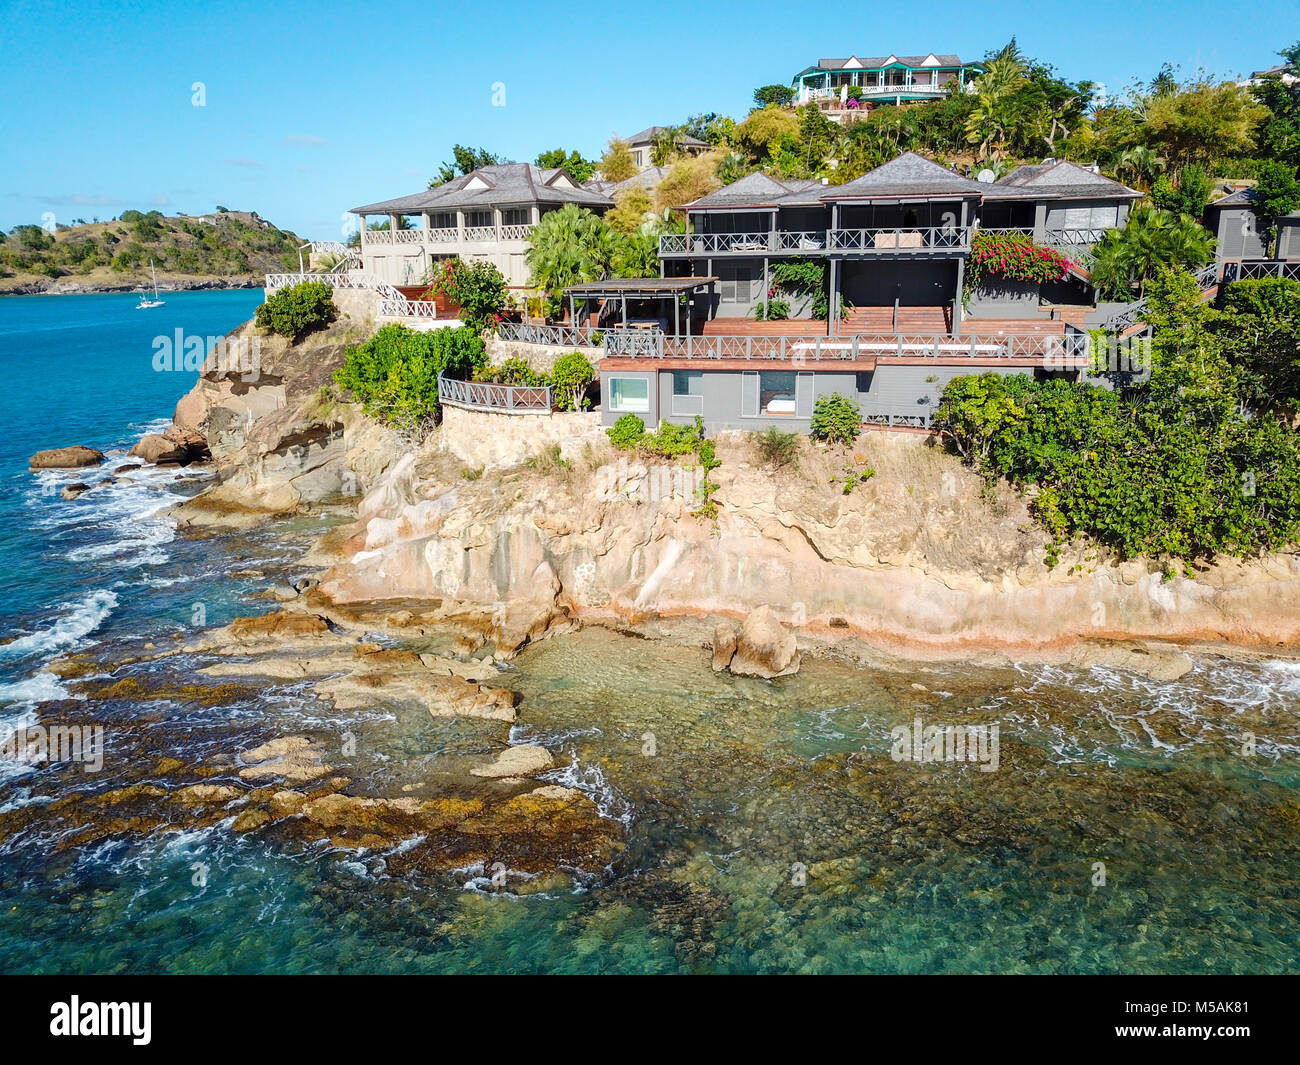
485 215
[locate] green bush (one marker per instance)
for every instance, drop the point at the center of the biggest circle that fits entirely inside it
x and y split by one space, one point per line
478 288
672 441
394 375
836 419
775 448
627 432
777 311
514 371
295 311
572 375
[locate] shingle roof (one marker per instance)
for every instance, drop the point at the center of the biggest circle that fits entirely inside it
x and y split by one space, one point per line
1241 198
753 190
648 135
647 179
1066 180
907 175
506 183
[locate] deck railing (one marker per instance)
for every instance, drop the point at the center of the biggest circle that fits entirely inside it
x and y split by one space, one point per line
1255 269
1075 242
901 239
1068 349
578 336
507 399
343 279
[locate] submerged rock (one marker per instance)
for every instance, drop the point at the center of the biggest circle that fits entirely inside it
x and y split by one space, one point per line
520 761
1151 660
724 645
71 491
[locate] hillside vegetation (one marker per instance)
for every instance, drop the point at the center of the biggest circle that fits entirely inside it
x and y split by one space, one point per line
231 247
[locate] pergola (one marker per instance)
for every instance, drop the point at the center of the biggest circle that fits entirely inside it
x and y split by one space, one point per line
640 288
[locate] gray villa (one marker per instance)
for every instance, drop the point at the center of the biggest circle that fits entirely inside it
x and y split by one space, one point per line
897 325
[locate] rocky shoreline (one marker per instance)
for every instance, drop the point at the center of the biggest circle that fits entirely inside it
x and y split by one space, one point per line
435 581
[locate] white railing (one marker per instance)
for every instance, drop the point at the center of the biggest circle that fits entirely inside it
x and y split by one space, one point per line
1069 349
480 232
442 235
801 240
330 247
561 335
715 243
1066 241
377 236
409 236
899 239
402 308
519 232
879 90
485 395
350 279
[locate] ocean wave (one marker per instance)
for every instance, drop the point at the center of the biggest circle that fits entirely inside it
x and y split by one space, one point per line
38 688
81 619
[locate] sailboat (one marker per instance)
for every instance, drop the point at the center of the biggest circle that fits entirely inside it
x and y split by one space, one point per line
145 302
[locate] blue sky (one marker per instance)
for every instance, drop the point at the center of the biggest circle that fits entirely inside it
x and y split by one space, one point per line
312 108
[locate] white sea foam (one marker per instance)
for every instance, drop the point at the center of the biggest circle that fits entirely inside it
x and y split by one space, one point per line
80 619
38 688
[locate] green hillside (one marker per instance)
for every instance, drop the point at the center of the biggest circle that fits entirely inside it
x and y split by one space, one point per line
227 247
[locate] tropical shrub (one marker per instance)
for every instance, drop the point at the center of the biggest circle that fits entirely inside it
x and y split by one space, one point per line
775 448
627 432
571 376
295 311
478 288
836 419
1152 240
1012 257
394 374
776 310
513 371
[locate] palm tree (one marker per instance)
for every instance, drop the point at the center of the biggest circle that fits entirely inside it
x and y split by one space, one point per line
992 123
636 255
1151 240
1141 165
568 247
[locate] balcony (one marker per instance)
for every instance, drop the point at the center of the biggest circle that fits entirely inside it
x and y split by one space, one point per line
446 235
1070 242
906 241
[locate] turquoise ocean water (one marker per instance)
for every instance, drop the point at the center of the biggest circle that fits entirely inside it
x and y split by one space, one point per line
770 831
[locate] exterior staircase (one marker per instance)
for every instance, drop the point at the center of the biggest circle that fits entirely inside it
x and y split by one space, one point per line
884 320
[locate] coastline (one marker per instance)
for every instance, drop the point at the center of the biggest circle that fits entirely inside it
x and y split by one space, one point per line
69 287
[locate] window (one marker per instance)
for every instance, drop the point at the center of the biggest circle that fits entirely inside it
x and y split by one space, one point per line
735 283
1085 218
478 219
688 392
516 216
442 220
772 393
629 394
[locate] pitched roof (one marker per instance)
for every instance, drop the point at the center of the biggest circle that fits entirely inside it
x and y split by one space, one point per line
1240 198
1066 180
753 190
647 179
491 186
878 62
647 135
904 176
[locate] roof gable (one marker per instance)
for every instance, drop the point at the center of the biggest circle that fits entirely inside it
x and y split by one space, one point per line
906 175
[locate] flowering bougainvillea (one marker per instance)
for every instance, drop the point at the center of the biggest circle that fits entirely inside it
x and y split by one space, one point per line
1013 257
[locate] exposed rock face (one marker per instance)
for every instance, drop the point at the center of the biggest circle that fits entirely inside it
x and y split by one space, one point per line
154 447
66 458
523 760
919 556
724 645
1158 663
71 491
765 648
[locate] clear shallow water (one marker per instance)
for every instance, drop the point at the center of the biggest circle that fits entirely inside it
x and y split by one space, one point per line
906 867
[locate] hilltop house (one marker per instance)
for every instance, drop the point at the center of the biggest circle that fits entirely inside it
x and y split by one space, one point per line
893 245
485 215
642 145
887 79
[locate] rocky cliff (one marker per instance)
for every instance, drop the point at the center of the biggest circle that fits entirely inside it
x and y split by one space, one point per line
542 520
